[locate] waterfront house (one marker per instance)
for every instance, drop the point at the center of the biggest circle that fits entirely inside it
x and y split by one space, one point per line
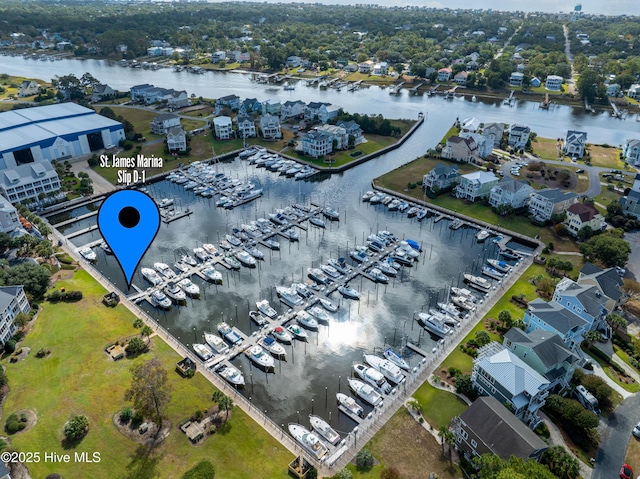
229 101
543 204
293 61
217 57
487 427
493 132
613 89
606 280
137 91
177 99
511 192
631 152
483 146
461 77
352 129
381 68
176 139
459 149
470 124
634 91
499 373
546 353
271 107
223 127
250 105
28 88
102 92
321 112
12 302
444 74
316 143
476 185
631 202
581 215
516 79
440 177
270 127
365 67
574 143
553 83
518 136
339 136
161 123
292 109
553 317
246 126
585 300
535 82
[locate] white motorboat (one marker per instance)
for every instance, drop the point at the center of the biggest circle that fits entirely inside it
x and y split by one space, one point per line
463 303
298 332
377 198
309 441
386 200
449 308
212 275
291 234
491 272
260 357
349 292
288 296
302 290
165 270
482 236
188 259
192 290
306 320
477 282
282 335
210 249
499 265
386 269
509 254
365 392
203 351
330 271
378 275
319 222
373 377
265 308
276 349
319 313
165 202
254 251
216 343
231 261
396 358
180 266
279 219
329 305
228 333
232 375
88 254
318 276
331 214
174 292
368 195
257 318
339 265
272 243
246 259
433 324
359 256
323 428
160 300
350 404
151 276
105 247
464 293
388 369
232 240
201 254
413 211
393 206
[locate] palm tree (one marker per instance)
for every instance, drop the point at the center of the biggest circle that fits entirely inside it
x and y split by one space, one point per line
442 432
415 406
225 404
138 323
217 395
591 337
146 331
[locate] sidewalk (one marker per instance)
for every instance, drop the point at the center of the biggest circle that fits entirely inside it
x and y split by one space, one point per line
556 439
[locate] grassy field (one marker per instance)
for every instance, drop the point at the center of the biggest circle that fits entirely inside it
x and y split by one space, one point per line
545 148
438 407
11 85
343 157
81 379
413 172
633 453
605 157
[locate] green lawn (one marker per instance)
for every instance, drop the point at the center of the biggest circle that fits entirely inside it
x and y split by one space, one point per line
605 157
438 406
545 148
634 387
343 157
79 378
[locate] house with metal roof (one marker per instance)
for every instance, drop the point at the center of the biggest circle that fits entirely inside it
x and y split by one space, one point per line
508 191
223 127
12 301
586 301
543 204
488 427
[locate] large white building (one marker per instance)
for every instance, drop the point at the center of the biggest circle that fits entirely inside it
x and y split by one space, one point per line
8 216
12 302
28 181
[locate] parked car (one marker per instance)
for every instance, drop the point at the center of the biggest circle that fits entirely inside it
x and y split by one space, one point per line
580 171
626 472
636 430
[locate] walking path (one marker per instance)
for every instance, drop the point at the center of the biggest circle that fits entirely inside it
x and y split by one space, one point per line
556 439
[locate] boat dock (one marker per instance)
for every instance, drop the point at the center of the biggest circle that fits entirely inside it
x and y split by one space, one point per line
82 231
395 89
416 89
617 112
502 244
416 349
511 99
169 216
349 414
354 86
77 218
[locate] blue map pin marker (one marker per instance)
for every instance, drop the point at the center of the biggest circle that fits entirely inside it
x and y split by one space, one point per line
128 221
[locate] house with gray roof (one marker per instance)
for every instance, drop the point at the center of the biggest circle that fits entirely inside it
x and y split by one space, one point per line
607 280
246 126
270 127
509 191
475 185
317 143
543 204
250 105
460 149
28 181
493 133
631 202
176 139
9 220
441 177
354 130
321 112
546 353
518 136
488 427
28 88
553 317
292 109
161 123
631 152
499 373
574 143
229 101
586 301
12 301
102 91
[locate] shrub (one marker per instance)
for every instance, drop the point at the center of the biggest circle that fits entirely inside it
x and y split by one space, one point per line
125 415
202 470
364 459
198 415
453 371
42 352
14 424
10 346
76 428
135 346
389 473
54 296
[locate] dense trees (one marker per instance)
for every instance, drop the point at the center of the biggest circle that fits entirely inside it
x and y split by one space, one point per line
490 466
607 248
150 390
33 277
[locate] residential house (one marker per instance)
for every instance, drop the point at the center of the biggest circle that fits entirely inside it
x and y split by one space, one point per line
28 88
493 132
581 215
574 143
606 280
217 57
292 109
137 91
585 300
9 220
177 99
321 112
339 136
634 91
154 51
631 202
518 136
228 101
484 147
553 83
543 204
470 124
613 89
250 105
461 77
270 127
510 192
176 139
631 152
365 67
246 126
223 127
12 302
499 373
440 177
444 74
546 353
102 92
316 144
488 427
381 68
516 79
553 317
353 129
535 82
459 149
293 61
161 123
271 107
476 185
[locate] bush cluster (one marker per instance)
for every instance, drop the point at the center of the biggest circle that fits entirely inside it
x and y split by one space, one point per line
15 423
57 295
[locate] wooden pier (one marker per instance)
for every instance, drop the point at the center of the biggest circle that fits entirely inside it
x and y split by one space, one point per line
417 350
168 216
416 89
77 218
395 89
349 414
82 231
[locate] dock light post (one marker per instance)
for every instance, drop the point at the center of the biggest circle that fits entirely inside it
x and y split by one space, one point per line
339 377
311 405
298 413
355 436
195 337
282 430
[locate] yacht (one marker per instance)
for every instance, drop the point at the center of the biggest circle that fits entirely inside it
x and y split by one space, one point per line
231 262
388 369
396 358
378 276
491 272
302 290
213 275
203 351
375 246
160 300
229 334
403 206
329 305
246 259
331 214
365 392
297 332
477 282
288 296
265 308
330 271
151 276
257 318
232 375
216 343
450 309
368 195
393 206
350 404
306 320
88 254
260 357
319 222
482 236
282 335
319 313
386 200
188 260
233 240
210 249
165 203
463 303
309 441
201 254
358 256
349 292
192 290
433 325
174 292
444 318
164 270
510 254
323 428
377 198
422 214
339 265
408 250
386 269
318 276
276 349
272 243
291 234
180 266
465 293
499 265
373 377
413 211
105 247
254 251
278 219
